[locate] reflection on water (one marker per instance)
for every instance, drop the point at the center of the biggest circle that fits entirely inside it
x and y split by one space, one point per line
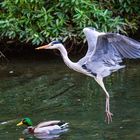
49 90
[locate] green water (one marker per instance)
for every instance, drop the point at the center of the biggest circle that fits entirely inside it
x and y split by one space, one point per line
47 90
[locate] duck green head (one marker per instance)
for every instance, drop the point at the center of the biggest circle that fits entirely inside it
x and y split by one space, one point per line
25 121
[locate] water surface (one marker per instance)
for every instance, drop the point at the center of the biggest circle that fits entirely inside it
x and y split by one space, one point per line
47 90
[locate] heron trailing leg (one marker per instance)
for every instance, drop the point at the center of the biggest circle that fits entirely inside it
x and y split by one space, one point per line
109 115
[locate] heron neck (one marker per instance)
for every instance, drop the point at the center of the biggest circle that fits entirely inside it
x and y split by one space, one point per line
67 61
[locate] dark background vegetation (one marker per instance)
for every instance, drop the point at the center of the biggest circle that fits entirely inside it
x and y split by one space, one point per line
25 24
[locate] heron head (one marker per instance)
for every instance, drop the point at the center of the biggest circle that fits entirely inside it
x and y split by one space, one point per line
25 121
52 45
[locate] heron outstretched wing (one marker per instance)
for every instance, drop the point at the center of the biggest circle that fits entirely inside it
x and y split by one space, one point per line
91 37
123 46
111 48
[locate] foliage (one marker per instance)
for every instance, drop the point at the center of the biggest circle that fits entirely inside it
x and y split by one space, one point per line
40 21
128 9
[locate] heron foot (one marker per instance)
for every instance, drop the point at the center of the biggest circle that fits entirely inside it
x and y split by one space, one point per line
108 117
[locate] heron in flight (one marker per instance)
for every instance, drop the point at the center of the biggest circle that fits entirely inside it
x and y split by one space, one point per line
104 55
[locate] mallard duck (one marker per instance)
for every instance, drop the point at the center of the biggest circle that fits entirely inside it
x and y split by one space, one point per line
53 127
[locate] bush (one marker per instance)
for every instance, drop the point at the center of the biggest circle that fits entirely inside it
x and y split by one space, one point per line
129 10
39 21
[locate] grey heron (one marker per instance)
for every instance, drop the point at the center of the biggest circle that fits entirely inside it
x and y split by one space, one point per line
104 55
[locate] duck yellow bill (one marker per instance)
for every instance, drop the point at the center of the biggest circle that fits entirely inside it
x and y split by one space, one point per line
20 123
42 47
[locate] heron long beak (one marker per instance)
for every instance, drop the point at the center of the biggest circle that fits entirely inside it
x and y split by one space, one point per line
20 123
42 47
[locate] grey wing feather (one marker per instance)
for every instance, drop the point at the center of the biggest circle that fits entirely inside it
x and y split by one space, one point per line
117 47
125 46
111 48
91 36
